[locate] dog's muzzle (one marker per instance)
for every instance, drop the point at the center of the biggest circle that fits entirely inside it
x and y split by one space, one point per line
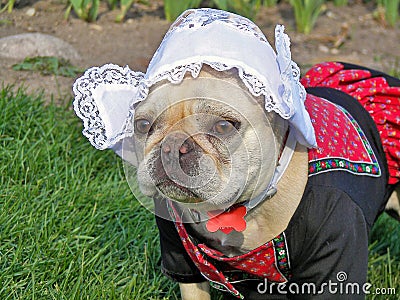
179 167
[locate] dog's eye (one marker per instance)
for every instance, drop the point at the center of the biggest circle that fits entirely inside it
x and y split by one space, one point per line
223 127
142 126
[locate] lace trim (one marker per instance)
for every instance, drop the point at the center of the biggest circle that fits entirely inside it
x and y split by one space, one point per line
94 127
195 19
85 105
199 18
290 72
176 75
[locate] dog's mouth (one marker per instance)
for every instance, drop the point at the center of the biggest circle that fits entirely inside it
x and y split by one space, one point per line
177 192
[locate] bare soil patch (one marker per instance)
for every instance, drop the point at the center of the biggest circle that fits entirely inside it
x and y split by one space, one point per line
350 34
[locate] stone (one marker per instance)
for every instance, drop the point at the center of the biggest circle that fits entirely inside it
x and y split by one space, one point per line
26 45
323 48
30 12
335 51
95 27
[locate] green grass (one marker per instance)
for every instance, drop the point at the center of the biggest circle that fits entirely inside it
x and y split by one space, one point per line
384 258
70 227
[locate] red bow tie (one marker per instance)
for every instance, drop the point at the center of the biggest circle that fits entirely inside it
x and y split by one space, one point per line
232 219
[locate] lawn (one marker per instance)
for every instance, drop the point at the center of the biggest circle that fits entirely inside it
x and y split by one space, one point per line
70 227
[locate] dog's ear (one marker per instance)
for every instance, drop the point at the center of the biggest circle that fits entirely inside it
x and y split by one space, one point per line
103 96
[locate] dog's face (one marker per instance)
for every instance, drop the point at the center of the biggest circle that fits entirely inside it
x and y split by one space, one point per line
206 142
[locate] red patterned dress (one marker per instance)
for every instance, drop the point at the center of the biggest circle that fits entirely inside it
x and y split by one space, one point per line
328 233
374 91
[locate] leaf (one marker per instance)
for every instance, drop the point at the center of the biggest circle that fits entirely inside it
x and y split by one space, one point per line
48 65
173 8
246 8
93 11
306 13
125 5
221 4
86 9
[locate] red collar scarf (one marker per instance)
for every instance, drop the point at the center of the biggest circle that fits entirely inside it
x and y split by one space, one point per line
270 260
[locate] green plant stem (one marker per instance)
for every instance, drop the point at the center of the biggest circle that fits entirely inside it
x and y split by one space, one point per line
391 11
306 13
173 8
340 2
85 9
125 5
8 6
270 3
246 8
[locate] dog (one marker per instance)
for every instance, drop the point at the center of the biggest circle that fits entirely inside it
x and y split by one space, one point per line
264 185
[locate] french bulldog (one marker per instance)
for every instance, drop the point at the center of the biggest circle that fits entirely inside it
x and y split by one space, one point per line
263 185
208 145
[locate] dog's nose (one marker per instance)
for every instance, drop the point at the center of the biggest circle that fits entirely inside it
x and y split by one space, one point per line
182 161
176 144
176 150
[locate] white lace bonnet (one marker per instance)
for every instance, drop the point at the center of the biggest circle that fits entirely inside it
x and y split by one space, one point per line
105 96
